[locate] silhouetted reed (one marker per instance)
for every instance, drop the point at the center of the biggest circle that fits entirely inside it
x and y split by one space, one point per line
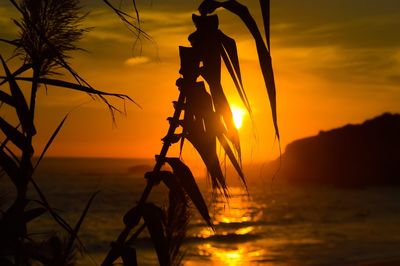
48 32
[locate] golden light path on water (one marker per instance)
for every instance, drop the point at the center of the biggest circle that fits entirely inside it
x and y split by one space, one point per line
230 221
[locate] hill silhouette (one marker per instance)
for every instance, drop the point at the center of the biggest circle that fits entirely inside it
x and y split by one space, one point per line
366 154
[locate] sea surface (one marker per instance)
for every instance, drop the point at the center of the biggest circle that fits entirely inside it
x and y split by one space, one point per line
273 224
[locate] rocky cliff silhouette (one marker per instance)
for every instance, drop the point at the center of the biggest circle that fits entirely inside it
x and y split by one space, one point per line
366 154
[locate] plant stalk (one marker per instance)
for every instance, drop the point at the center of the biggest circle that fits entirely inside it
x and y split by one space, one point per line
114 253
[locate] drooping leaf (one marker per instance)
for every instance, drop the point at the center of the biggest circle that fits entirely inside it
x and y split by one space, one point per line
265 10
206 40
229 45
230 56
74 86
15 136
200 129
172 182
236 164
21 106
209 6
31 214
187 181
153 217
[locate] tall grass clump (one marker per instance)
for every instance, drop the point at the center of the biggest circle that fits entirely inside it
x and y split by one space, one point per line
203 117
48 31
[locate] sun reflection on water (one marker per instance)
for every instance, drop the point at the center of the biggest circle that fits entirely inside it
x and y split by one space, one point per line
233 242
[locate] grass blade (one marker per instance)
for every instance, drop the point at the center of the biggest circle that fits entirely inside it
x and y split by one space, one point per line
15 136
20 102
6 98
53 136
10 167
19 71
77 227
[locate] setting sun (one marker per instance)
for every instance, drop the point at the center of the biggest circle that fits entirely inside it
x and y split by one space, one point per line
238 115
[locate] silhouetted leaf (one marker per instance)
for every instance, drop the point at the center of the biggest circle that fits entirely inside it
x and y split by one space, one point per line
53 136
231 59
21 106
74 86
31 214
206 40
10 167
13 42
129 256
173 138
132 217
5 98
15 136
17 72
201 125
232 158
264 57
187 181
9 151
265 10
172 182
75 231
153 217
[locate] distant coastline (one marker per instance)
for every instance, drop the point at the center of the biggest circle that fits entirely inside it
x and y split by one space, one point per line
361 155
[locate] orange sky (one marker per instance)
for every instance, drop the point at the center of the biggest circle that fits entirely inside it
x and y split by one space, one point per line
335 63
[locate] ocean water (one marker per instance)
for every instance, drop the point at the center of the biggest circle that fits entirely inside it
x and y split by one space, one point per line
275 224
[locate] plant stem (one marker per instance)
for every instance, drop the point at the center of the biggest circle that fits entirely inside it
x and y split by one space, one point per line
114 253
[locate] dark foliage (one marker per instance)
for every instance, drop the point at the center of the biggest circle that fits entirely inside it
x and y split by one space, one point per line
207 118
48 31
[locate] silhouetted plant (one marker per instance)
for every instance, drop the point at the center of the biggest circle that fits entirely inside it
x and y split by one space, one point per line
48 31
207 117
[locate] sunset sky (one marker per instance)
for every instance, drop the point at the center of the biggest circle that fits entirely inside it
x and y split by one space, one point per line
335 62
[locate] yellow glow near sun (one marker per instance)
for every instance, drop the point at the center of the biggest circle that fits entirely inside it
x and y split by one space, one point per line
238 115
